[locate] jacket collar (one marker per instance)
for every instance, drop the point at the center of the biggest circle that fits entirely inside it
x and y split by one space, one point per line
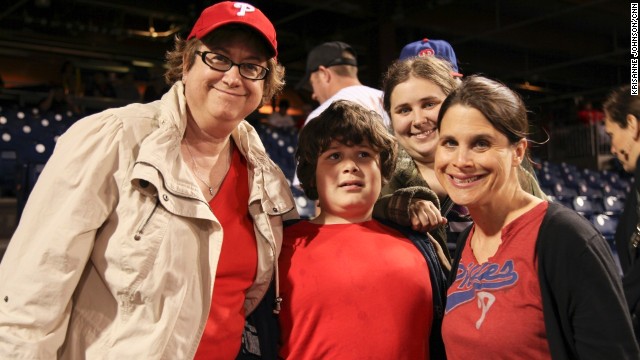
160 150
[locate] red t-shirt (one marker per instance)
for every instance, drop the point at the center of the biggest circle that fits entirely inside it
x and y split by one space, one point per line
237 265
494 309
353 291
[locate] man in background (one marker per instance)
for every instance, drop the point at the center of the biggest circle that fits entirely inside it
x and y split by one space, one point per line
332 74
280 118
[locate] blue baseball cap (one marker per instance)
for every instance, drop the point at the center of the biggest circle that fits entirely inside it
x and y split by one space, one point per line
428 47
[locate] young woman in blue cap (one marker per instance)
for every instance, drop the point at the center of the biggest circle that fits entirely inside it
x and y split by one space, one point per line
414 89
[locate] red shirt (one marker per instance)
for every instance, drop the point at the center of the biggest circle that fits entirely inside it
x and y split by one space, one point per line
494 309
353 291
237 265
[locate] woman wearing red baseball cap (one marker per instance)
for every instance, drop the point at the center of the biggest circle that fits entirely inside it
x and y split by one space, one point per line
154 228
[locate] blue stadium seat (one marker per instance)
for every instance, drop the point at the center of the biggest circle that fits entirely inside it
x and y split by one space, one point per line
568 202
280 145
613 205
590 192
609 190
585 206
35 151
551 167
8 163
8 171
572 180
306 207
547 190
617 181
549 179
594 179
606 225
569 169
28 175
563 192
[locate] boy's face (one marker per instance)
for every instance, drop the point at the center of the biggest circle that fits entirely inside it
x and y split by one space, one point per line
348 180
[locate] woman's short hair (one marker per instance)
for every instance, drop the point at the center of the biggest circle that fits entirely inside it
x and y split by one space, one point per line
183 57
350 124
621 103
430 68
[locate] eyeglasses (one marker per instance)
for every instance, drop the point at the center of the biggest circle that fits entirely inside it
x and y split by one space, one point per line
222 63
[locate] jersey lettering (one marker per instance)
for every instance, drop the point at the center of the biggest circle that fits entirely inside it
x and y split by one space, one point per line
474 278
485 300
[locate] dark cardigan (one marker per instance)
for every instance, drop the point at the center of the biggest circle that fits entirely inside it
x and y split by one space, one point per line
585 313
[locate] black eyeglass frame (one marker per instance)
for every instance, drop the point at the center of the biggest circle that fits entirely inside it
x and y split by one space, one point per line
241 66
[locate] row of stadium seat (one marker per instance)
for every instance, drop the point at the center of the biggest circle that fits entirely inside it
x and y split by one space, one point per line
566 180
597 195
281 145
27 140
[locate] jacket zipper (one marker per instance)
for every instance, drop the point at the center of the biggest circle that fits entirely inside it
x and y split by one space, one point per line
140 230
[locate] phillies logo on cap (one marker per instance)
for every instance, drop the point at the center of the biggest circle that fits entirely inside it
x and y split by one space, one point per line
426 52
243 8
235 12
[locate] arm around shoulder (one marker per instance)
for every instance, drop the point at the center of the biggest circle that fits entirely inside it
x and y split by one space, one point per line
395 206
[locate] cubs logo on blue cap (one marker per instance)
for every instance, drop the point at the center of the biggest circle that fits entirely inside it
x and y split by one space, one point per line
429 47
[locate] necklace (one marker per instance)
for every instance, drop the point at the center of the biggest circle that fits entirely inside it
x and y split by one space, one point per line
196 171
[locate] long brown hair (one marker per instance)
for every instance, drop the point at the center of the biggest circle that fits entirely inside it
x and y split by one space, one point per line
429 68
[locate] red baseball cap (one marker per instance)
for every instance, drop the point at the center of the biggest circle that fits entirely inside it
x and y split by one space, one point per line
231 12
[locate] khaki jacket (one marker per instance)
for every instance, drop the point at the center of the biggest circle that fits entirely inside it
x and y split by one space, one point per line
117 249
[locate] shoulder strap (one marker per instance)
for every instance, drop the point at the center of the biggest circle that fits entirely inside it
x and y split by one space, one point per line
634 240
262 329
460 244
290 222
446 206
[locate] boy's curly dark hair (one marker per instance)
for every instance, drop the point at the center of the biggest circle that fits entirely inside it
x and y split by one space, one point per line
350 124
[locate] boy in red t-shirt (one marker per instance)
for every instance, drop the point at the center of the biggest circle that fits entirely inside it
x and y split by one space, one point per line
352 287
